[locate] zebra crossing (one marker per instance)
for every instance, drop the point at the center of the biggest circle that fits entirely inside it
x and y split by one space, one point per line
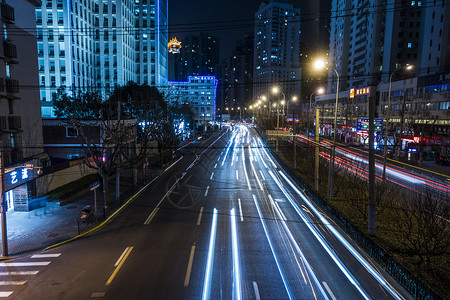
18 273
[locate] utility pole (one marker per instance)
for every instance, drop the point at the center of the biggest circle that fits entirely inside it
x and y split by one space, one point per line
3 209
372 200
317 149
118 157
294 140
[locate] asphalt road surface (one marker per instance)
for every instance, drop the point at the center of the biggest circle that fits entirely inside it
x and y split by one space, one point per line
223 222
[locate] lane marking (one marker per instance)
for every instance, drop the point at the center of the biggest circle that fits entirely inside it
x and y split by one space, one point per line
218 158
215 166
277 206
173 163
21 282
200 216
189 267
151 216
212 175
121 256
119 266
329 290
235 255
209 264
5 294
237 158
46 255
245 170
237 175
207 189
25 264
240 210
15 273
255 287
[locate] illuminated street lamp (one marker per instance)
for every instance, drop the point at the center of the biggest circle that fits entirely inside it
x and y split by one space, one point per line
320 91
276 90
318 65
388 116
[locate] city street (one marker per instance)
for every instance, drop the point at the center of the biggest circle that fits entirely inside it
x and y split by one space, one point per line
223 222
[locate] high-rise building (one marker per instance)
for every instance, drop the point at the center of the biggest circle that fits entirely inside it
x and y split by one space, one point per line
277 48
87 45
20 118
198 56
237 76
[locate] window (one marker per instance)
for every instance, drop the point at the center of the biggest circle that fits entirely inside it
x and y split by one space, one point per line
71 132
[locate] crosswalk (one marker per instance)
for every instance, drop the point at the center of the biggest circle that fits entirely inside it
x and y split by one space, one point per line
18 273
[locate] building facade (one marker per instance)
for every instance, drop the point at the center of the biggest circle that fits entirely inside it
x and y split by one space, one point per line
277 49
20 119
199 92
98 45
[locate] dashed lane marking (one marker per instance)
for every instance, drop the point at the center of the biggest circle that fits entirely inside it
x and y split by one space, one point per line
49 255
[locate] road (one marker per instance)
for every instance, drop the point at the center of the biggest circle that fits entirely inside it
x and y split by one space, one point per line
356 160
223 222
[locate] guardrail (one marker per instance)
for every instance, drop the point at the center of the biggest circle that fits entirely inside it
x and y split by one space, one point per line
416 287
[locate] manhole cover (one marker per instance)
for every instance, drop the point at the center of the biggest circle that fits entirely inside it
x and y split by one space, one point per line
71 207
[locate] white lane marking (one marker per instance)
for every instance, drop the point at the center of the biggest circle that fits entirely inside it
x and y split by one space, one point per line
25 264
212 175
46 255
235 255
200 216
329 290
5 294
16 273
237 158
255 287
209 264
207 189
215 166
237 175
240 210
254 171
275 256
218 158
21 282
277 206
121 256
280 200
262 175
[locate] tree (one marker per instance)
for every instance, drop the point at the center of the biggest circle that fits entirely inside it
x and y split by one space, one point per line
98 127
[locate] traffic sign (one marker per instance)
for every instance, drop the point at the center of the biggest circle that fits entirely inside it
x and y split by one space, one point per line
362 124
94 185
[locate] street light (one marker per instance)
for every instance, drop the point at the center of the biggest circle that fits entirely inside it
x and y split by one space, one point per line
320 91
318 65
276 90
388 116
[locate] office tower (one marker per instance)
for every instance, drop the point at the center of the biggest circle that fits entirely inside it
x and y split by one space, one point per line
98 45
277 48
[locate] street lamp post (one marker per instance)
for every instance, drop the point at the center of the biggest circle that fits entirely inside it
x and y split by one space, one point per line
388 116
320 64
318 92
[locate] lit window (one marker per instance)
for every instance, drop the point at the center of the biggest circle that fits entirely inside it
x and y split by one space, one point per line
413 3
409 45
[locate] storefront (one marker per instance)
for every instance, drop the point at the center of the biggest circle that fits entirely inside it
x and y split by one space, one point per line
19 186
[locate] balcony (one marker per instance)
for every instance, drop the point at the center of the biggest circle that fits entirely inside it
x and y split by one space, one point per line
12 86
7 12
9 49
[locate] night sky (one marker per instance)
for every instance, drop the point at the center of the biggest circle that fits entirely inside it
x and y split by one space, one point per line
216 15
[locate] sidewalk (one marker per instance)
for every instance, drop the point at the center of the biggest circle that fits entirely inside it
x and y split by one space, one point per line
52 224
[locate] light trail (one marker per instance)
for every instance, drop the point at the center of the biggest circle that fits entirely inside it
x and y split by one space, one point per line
275 256
347 245
320 239
209 264
245 169
235 254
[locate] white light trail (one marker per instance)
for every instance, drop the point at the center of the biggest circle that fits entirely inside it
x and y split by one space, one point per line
236 266
209 264
275 256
